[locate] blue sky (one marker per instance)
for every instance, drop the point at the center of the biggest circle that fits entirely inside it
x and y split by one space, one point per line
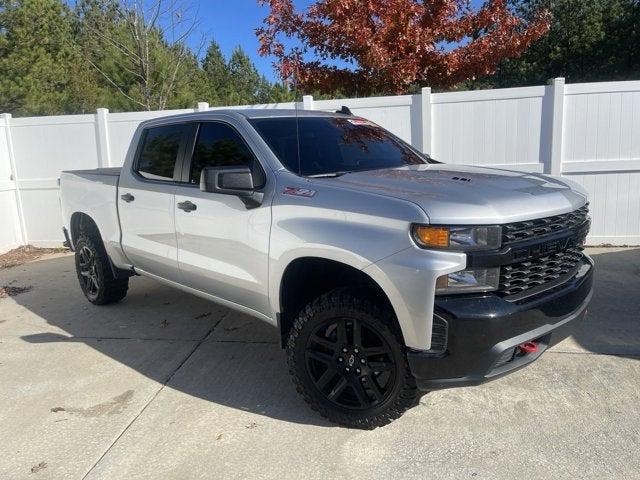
233 22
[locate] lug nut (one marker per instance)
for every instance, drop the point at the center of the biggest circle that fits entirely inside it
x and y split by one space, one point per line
355 350
364 379
347 369
363 361
344 350
358 371
340 359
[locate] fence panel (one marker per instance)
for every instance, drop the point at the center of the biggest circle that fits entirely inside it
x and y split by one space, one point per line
495 127
602 153
10 229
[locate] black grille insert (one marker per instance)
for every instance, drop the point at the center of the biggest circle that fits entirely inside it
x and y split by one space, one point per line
439 334
522 276
515 232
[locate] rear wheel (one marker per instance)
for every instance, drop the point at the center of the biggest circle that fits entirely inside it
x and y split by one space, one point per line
346 358
96 278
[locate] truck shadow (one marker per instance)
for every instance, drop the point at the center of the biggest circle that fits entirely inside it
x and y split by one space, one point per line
236 361
612 326
229 358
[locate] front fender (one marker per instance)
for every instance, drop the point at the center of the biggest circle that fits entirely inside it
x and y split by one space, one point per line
409 280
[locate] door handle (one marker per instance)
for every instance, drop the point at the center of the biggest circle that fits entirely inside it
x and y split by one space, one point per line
187 206
127 197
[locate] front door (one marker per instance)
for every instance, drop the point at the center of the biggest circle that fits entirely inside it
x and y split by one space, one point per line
146 201
223 246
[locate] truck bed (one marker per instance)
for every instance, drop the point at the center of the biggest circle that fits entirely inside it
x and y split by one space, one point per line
110 172
93 193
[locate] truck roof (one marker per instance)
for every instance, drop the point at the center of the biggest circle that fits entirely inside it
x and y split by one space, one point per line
246 113
266 113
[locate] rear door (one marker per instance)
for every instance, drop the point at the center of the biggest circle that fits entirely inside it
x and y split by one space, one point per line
223 245
146 199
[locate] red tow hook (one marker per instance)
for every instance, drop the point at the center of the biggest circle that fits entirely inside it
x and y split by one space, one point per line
528 347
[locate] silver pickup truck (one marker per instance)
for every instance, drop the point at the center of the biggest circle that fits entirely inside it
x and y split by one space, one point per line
386 272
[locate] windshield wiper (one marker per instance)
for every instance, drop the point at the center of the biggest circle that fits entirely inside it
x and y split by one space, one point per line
327 175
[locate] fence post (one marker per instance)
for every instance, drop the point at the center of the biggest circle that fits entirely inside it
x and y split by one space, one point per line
202 107
425 117
102 129
307 102
557 125
14 177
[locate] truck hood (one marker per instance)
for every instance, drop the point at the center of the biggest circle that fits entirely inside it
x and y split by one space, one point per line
470 195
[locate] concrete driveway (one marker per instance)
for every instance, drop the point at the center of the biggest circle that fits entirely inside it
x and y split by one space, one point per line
165 385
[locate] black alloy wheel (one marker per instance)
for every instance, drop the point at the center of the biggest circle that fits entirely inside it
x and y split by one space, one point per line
346 357
350 363
89 280
95 274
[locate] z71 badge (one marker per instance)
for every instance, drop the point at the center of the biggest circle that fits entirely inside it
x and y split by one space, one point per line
299 192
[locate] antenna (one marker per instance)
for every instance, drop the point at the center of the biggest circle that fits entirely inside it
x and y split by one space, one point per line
295 103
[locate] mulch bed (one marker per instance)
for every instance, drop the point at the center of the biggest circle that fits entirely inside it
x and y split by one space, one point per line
25 254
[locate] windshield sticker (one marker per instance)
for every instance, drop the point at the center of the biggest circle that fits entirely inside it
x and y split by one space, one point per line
299 192
362 122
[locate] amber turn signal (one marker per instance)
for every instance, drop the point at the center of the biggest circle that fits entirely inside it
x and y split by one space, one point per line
428 236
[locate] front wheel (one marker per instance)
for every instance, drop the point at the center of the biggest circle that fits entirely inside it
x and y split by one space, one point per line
96 278
347 360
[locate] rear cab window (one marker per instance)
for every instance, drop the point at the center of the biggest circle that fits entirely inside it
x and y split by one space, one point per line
159 152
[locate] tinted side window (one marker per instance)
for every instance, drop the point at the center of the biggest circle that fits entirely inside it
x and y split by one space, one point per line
159 152
218 145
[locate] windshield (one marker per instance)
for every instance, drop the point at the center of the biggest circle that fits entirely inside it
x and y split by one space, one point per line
333 145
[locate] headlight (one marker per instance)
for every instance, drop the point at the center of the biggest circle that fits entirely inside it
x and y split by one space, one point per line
468 281
457 238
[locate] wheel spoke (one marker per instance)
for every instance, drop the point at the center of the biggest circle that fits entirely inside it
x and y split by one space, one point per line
326 377
319 356
357 333
342 331
381 366
325 342
373 386
381 350
338 389
360 392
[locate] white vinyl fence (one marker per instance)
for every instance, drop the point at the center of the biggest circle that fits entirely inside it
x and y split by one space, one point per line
589 133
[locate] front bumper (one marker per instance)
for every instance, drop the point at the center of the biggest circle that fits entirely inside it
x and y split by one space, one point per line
483 332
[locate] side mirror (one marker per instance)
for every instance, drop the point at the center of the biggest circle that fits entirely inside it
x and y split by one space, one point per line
236 181
227 180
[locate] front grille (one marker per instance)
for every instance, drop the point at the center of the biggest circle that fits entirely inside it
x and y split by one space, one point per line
522 276
515 232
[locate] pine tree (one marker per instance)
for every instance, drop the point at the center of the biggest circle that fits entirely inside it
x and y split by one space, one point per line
38 62
245 79
216 75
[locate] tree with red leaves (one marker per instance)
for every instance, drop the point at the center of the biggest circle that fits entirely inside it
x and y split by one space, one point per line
392 46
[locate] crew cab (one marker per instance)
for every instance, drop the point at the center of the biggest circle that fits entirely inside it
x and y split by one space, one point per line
386 272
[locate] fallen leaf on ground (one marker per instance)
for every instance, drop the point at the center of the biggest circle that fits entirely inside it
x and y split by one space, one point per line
38 467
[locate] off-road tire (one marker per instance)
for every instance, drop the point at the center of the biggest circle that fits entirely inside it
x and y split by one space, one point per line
107 288
348 303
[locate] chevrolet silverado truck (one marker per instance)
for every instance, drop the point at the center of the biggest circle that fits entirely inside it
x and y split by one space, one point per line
387 273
